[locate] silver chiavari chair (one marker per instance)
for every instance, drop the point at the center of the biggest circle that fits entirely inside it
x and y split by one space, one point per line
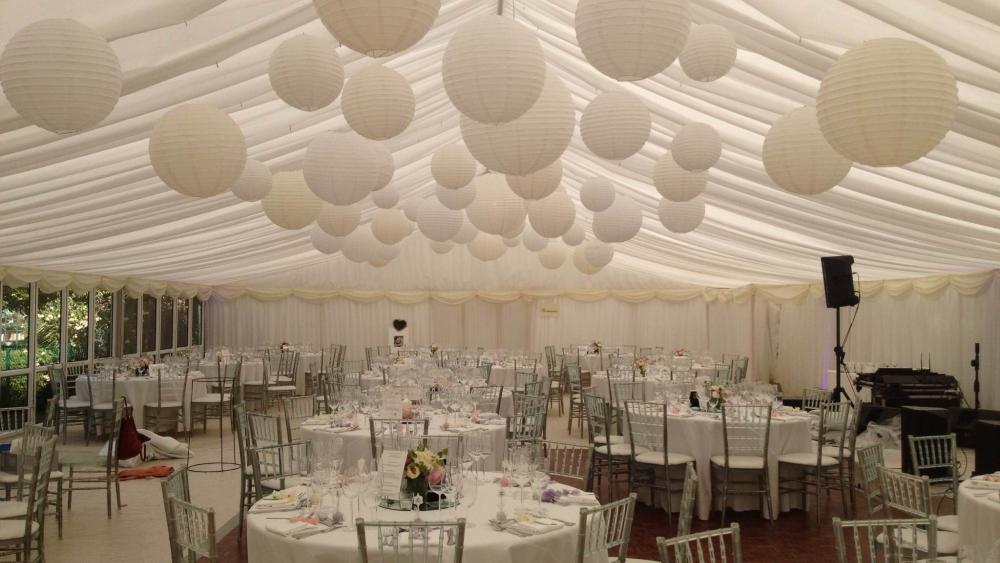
385 541
193 531
871 458
25 538
612 457
382 429
604 528
936 456
275 466
527 425
746 432
487 397
911 496
295 410
652 460
813 397
563 461
175 485
688 498
884 541
703 547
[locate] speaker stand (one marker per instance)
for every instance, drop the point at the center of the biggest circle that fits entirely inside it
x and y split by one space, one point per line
838 351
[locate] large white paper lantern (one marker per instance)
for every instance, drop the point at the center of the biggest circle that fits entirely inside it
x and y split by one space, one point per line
386 198
341 168
386 166
411 207
360 245
539 184
709 53
487 247
632 39
553 216
575 235
378 28
441 247
339 220
437 222
683 216
493 69
197 150
387 252
254 183
496 208
597 193
552 256
533 241
618 223
696 147
60 75
529 143
512 242
306 72
887 102
466 233
457 199
390 226
675 183
516 229
453 166
378 102
615 125
290 204
324 242
581 263
598 253
797 156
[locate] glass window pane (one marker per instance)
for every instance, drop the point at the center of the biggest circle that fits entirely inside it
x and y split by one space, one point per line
196 314
130 318
48 330
14 327
103 319
183 308
166 323
77 326
148 324
14 391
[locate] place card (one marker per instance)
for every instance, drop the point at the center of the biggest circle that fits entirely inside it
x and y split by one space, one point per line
393 465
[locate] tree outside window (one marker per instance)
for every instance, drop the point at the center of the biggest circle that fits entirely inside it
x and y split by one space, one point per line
15 306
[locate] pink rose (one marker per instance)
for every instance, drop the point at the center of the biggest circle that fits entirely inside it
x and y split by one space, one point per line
407 412
436 476
504 482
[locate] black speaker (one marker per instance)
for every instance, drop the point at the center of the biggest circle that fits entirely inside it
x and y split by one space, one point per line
987 452
838 281
921 421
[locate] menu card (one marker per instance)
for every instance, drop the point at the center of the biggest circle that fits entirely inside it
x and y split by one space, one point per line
392 465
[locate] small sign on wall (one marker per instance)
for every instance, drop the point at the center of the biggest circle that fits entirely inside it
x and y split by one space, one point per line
549 307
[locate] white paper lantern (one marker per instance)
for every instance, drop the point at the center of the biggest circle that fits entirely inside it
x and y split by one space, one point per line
512 242
632 39
339 220
390 226
378 262
254 183
516 229
453 167
537 185
441 247
533 241
386 198
387 252
487 247
675 183
696 147
681 217
887 102
456 199
60 75
360 245
323 242
466 233
709 53
197 150
496 209
598 253
493 69
378 28
411 207
575 235
306 72
290 204
386 166
437 222
378 103
618 223
529 143
581 263
553 216
552 256
615 125
341 168
797 156
597 193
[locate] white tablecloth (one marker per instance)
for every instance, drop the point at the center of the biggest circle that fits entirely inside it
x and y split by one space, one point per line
979 522
504 374
599 385
252 371
139 391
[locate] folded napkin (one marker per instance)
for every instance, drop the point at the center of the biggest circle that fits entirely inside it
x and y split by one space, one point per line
336 429
297 528
582 499
285 499
533 527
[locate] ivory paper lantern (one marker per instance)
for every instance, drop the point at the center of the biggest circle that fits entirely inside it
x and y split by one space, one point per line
597 193
675 183
553 216
466 233
324 242
306 72
389 226
681 217
386 198
496 209
197 150
581 263
411 207
539 184
386 252
515 230
529 143
797 156
359 246
254 183
378 262
338 220
378 103
378 28
512 242
386 166
437 222
60 75
493 69
696 147
457 199
453 167
887 102
533 241
709 53
340 168
575 235
615 125
618 223
632 39
290 204
552 256
598 253
487 247
441 247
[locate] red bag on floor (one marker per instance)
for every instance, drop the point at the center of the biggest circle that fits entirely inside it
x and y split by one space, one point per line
129 439
155 471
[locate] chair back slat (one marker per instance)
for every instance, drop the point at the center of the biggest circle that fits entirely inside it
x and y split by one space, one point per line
528 421
570 461
174 485
647 425
273 465
605 527
265 429
746 429
703 547
813 397
194 530
871 458
295 410
935 457
885 540
411 542
909 494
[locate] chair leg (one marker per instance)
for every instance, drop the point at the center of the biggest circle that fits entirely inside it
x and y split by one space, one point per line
819 489
59 506
767 495
725 495
118 491
69 497
107 495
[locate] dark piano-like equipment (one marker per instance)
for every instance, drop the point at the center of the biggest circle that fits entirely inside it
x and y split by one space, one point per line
897 387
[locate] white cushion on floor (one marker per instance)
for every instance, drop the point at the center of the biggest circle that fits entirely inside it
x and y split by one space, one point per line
618 449
739 461
13 529
13 509
806 458
656 458
614 439
948 523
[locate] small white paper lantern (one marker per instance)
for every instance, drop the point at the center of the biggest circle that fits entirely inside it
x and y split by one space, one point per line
441 247
487 247
887 102
597 193
632 39
552 256
338 220
60 75
618 223
386 166
290 204
553 216
378 28
575 235
324 242
681 217
437 222
615 125
390 226
797 156
696 147
516 229
378 262
306 72
512 242
466 233
197 150
496 209
453 167
387 252
411 207
254 183
598 253
529 143
493 69
360 245
581 262
539 184
675 183
386 198
341 168
533 241
378 103
709 53
457 199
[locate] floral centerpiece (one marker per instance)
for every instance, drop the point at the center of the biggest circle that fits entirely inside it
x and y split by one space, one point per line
717 395
407 411
434 349
595 346
680 353
140 365
640 364
423 469
284 345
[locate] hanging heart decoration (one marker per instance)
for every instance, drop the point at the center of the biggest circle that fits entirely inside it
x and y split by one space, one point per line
399 324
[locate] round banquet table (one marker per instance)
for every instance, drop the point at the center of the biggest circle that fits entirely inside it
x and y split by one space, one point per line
139 391
653 384
252 370
504 374
979 519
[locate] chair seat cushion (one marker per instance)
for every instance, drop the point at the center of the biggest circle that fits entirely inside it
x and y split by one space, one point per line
211 398
275 484
164 405
614 439
13 529
618 450
8 478
656 458
739 461
281 388
55 475
81 456
948 523
13 509
282 379
807 458
76 403
947 542
834 451
104 406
